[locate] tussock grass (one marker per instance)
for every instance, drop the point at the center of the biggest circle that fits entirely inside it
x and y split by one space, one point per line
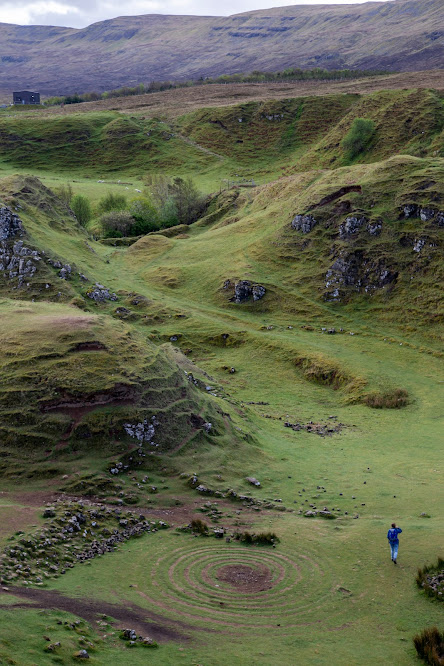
429 645
394 399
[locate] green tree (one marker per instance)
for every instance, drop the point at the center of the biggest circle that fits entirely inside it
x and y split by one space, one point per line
145 215
81 208
189 202
111 202
358 137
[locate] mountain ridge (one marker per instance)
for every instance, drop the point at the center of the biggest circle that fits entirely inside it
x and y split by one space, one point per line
399 35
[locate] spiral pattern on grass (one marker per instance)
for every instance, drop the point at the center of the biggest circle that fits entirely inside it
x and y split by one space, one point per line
239 586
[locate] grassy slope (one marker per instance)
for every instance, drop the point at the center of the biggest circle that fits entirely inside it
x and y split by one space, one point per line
396 452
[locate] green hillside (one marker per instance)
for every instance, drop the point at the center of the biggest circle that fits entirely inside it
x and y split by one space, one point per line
269 374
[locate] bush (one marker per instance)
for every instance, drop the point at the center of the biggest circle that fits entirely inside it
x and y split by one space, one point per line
199 527
117 223
112 202
146 217
65 193
429 579
262 538
429 645
81 208
189 202
358 137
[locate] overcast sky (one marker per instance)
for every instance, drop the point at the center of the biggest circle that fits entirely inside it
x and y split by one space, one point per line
80 13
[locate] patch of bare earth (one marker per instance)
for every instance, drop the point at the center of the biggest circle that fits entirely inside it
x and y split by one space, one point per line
126 614
246 578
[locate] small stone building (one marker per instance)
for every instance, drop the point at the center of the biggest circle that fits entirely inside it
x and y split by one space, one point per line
26 97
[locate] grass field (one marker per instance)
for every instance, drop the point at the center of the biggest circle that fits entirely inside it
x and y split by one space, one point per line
327 593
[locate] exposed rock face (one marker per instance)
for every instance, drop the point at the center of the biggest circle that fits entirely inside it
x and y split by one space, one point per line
304 223
17 262
425 213
351 226
10 225
244 290
356 271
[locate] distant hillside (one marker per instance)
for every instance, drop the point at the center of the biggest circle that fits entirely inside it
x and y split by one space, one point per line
401 35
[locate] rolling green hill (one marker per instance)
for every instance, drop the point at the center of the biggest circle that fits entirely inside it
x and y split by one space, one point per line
271 372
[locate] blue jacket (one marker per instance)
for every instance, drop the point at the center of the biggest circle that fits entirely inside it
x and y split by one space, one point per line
392 534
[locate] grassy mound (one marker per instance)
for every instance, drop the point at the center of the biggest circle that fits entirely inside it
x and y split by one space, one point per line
87 380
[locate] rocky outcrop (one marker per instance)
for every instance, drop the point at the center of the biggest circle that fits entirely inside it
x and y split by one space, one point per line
351 226
18 263
304 223
244 290
354 271
10 224
424 213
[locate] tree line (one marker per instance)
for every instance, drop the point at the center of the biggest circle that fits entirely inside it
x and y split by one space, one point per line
289 75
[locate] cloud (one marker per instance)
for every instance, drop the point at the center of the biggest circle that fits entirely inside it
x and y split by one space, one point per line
80 13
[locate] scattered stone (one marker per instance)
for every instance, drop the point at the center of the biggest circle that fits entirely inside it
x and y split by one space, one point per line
100 294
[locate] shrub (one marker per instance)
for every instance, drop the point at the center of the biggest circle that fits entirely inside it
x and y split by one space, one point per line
429 579
189 202
117 223
429 645
262 538
81 208
394 399
112 202
358 137
145 215
65 193
199 527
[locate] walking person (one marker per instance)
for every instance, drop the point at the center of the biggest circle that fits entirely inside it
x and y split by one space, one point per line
392 536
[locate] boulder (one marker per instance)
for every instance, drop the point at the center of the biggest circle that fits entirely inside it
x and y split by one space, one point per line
351 226
304 223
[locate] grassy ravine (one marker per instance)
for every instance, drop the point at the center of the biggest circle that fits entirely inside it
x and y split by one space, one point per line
75 372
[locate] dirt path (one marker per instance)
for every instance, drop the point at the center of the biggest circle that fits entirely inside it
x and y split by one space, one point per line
128 616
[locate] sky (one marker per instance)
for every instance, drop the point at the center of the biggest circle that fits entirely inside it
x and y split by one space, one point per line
80 13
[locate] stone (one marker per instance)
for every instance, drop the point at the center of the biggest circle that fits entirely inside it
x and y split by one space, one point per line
351 226
258 292
253 481
81 654
410 210
304 223
49 513
100 294
374 228
418 244
427 214
244 290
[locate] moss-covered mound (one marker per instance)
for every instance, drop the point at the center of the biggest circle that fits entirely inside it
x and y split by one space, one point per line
87 379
